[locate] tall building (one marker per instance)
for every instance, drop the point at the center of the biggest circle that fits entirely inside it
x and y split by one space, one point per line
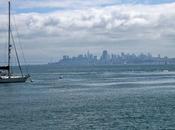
105 58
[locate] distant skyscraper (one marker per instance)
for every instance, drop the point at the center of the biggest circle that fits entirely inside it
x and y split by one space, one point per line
65 57
105 57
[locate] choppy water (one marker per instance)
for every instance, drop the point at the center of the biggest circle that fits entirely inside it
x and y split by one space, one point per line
91 98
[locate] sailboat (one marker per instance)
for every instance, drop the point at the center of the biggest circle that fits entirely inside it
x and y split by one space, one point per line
6 74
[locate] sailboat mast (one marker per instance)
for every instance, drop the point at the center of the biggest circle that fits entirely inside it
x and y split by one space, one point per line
9 42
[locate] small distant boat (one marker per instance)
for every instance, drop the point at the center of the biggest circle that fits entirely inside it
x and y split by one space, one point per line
61 77
6 74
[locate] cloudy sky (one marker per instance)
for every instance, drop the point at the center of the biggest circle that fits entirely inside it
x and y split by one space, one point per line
49 29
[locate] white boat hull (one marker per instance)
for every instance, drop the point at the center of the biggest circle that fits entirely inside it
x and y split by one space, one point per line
14 79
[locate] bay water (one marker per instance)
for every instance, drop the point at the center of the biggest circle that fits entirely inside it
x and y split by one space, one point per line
128 97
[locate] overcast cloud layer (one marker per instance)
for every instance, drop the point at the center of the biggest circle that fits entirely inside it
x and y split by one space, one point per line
71 29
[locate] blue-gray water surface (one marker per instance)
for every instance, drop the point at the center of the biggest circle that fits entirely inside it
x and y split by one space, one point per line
91 98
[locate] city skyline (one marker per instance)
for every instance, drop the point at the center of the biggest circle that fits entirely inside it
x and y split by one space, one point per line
107 58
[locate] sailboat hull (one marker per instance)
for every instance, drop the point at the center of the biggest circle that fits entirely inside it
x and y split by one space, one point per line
13 79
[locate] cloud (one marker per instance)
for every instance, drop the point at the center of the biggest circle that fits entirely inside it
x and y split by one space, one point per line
126 27
119 19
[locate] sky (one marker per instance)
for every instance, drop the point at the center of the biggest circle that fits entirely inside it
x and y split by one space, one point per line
49 29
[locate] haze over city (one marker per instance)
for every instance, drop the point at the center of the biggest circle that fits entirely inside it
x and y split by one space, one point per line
50 29
107 58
